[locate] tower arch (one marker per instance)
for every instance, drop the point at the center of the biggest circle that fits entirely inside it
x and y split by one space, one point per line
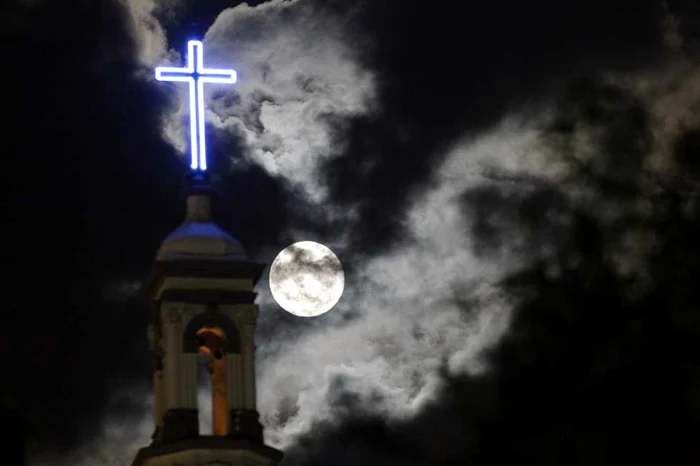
212 319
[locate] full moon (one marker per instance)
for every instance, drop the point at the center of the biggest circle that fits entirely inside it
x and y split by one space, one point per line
306 279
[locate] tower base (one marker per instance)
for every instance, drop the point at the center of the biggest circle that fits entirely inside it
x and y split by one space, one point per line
208 451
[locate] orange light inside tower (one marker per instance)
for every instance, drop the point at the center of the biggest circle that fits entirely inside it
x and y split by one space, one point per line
211 344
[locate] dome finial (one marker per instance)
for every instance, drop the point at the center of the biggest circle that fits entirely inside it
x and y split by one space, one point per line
199 194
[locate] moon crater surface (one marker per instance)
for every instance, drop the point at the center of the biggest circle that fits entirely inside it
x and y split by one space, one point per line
307 279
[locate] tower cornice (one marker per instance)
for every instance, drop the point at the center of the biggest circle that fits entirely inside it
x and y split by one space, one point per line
199 269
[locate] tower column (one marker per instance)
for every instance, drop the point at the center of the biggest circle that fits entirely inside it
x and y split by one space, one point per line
188 380
248 357
159 401
180 419
235 381
172 343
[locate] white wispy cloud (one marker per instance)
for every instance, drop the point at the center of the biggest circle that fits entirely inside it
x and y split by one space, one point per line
410 308
147 32
296 77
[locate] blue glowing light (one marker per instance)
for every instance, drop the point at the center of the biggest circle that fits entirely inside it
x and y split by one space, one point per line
196 75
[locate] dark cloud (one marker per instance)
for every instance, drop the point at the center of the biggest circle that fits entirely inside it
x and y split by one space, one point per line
591 372
81 151
530 220
254 206
588 374
440 434
616 117
530 216
687 146
593 369
184 19
455 68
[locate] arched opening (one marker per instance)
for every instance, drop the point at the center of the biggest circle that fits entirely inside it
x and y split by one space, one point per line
191 340
212 391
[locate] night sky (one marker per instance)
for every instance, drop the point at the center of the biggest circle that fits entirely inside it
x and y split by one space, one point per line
512 188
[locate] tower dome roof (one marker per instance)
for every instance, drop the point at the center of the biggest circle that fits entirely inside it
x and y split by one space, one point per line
199 238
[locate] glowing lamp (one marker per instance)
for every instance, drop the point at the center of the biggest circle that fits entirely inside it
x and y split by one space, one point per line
196 75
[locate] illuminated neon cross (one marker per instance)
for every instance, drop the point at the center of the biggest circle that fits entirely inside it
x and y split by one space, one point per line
196 76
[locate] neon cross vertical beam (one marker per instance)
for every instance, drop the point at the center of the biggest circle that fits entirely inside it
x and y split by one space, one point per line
196 75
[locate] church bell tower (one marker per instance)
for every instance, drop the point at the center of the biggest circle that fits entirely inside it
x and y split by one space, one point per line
202 302
202 308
